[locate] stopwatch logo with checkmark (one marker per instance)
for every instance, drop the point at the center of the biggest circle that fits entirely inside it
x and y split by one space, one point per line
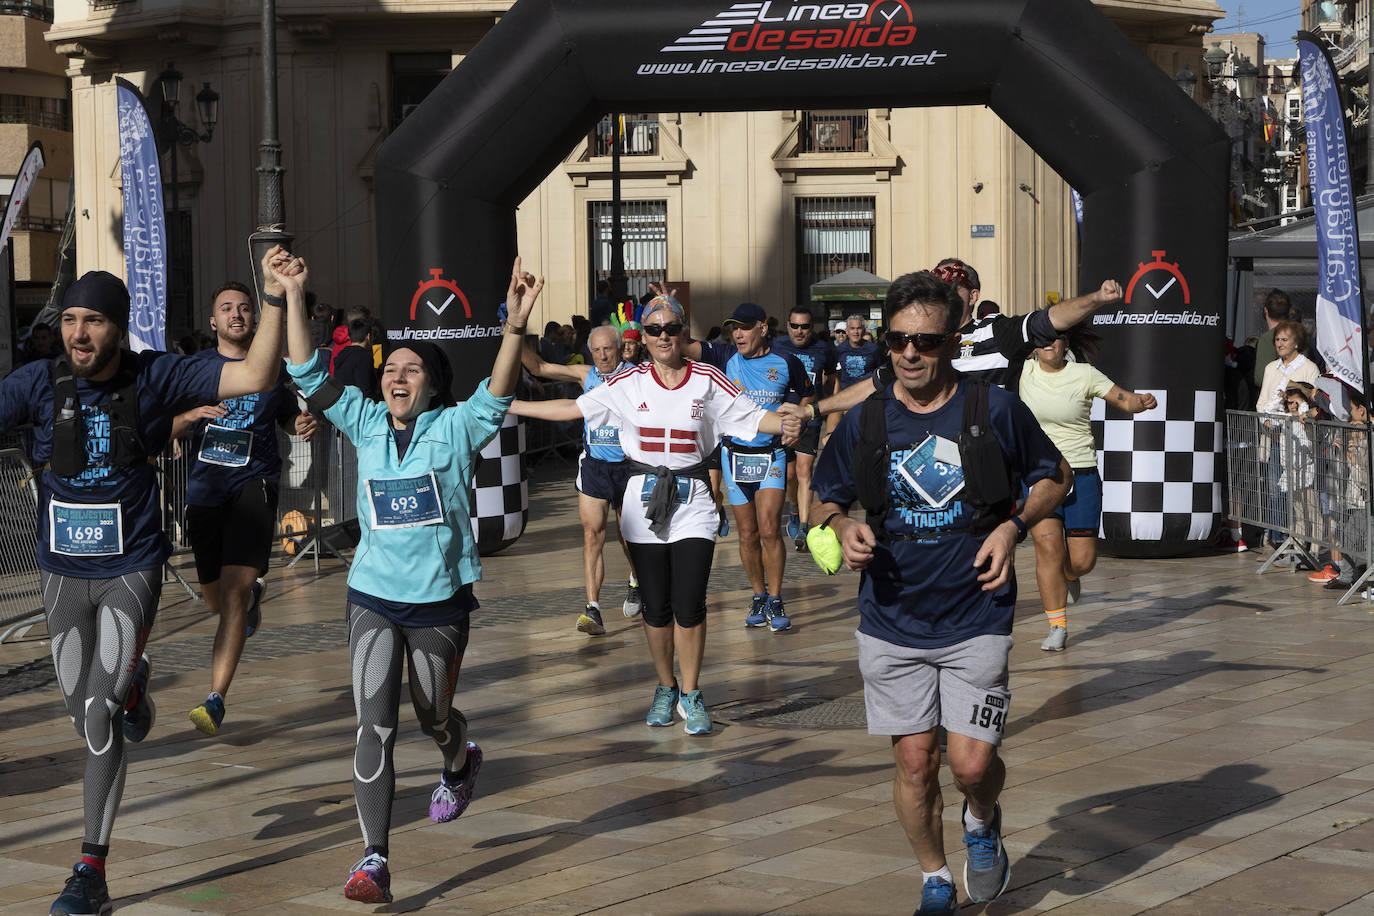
438 294
1166 276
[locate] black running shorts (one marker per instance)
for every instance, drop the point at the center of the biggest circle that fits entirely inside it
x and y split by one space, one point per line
238 533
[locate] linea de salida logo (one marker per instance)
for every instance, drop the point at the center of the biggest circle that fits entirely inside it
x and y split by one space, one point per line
778 26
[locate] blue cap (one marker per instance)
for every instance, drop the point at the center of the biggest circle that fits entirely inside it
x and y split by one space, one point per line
747 313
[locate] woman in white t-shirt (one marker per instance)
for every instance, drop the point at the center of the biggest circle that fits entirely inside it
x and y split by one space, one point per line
671 412
1060 393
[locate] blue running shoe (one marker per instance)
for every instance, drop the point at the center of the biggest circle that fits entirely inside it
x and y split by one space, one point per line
987 870
141 712
254 609
692 707
208 715
777 617
794 526
452 798
84 894
938 896
758 612
661 712
369 880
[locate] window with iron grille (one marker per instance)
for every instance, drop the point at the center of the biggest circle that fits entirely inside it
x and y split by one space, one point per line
34 9
644 232
638 136
834 234
413 77
834 132
34 110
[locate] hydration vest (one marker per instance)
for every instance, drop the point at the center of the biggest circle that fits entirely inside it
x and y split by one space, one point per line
69 430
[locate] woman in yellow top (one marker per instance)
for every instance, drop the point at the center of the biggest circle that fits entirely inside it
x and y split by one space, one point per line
1060 393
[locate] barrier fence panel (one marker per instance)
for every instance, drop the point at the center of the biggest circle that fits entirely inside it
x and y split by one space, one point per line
21 601
1307 482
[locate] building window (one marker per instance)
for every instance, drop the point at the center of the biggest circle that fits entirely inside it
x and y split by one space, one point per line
834 132
644 231
834 234
413 77
36 111
638 136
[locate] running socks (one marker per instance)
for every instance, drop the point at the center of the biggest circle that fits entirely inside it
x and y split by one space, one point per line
93 854
943 874
1059 618
971 823
453 778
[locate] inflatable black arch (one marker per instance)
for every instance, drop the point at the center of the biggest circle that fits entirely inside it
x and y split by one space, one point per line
1150 165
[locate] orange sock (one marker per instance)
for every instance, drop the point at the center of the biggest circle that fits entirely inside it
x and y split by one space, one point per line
1059 618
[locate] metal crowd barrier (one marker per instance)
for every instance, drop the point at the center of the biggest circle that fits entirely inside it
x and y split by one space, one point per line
1307 481
543 439
21 600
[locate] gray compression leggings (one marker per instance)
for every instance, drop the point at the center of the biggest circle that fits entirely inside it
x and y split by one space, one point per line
377 649
98 629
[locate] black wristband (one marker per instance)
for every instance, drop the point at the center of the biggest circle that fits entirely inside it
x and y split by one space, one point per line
278 301
828 519
1021 529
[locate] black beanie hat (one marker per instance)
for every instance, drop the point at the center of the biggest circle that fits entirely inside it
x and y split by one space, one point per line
436 365
103 292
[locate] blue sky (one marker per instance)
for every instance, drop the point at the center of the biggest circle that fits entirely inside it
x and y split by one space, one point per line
1276 20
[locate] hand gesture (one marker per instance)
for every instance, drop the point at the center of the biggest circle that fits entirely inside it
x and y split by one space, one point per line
276 254
658 289
291 273
796 411
1109 292
996 555
520 296
1147 402
856 546
791 427
306 425
208 412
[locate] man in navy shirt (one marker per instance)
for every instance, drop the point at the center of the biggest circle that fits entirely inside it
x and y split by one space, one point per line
937 594
817 356
231 492
99 413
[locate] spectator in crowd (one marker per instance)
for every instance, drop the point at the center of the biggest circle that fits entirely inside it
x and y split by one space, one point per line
837 332
353 364
602 306
987 308
41 344
1277 309
771 328
1299 460
551 348
1289 366
321 321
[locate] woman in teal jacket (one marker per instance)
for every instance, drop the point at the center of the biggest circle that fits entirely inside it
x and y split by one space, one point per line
410 584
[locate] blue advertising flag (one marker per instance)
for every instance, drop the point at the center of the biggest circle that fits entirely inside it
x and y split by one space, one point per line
1339 299
145 239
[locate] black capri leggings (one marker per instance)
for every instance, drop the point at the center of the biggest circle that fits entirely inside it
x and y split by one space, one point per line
672 580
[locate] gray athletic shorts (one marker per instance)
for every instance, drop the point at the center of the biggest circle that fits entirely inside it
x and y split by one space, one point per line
962 687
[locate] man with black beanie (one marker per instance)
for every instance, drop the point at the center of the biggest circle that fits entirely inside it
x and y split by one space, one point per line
100 412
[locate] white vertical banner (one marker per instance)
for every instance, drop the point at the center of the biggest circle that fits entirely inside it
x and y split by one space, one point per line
23 184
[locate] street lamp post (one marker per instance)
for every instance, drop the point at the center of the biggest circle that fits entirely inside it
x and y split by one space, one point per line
177 133
271 194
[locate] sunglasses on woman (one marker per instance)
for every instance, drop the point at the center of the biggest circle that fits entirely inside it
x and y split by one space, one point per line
897 342
672 330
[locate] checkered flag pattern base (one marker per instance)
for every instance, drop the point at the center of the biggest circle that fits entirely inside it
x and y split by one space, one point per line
1159 468
500 493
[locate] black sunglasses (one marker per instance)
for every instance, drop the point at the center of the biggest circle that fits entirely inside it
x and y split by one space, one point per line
897 342
799 327
672 330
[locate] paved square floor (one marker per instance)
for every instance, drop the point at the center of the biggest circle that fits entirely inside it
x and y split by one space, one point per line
1205 745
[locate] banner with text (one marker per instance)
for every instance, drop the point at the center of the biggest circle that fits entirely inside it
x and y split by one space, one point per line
1339 310
23 183
145 239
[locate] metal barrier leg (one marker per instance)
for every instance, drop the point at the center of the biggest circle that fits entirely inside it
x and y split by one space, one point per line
168 569
22 626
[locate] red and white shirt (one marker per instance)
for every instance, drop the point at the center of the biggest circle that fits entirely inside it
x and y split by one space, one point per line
671 427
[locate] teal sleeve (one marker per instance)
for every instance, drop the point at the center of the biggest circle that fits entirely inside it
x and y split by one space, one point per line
351 413
479 418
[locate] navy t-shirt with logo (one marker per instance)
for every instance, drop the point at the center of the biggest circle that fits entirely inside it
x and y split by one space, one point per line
240 446
854 364
925 593
817 357
107 518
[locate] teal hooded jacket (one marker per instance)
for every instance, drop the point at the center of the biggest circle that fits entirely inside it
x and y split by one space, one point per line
420 563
